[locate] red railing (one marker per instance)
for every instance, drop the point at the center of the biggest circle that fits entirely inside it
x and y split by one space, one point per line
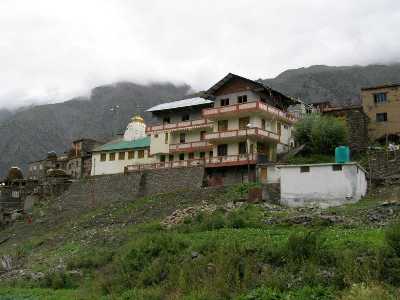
198 145
180 125
249 106
242 133
217 161
166 165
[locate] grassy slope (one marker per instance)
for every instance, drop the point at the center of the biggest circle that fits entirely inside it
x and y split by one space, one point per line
117 249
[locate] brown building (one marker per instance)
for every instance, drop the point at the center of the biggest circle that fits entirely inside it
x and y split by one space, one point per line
80 158
382 106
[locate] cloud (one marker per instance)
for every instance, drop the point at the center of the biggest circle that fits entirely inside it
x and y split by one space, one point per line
54 50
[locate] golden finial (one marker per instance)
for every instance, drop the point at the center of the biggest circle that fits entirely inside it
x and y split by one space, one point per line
138 119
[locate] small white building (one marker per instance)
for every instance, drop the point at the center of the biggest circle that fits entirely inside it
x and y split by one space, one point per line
132 149
322 185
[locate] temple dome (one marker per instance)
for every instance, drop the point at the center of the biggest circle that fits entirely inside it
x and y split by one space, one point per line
136 129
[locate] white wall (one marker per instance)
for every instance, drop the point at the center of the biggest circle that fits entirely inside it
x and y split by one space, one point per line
322 186
251 97
117 166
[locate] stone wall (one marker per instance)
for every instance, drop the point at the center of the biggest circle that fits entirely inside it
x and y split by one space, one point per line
100 190
384 164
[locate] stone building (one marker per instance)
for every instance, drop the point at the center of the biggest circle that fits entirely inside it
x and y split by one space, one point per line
357 125
37 170
79 162
382 106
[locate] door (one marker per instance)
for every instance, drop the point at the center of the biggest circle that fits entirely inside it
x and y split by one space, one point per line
263 175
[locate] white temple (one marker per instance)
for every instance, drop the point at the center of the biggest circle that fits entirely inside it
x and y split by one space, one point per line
136 129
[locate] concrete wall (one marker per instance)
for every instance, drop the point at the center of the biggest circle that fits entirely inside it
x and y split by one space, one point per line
233 97
322 186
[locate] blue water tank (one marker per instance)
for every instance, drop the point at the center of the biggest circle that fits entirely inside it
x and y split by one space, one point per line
342 154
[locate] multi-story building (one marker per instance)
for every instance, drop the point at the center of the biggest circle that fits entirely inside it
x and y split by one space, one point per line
382 106
238 125
37 170
79 161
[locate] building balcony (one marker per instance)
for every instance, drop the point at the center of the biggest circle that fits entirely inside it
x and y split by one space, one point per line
231 160
184 125
190 147
245 108
241 134
166 165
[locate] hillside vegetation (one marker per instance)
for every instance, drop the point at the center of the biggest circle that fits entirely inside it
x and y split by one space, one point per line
205 244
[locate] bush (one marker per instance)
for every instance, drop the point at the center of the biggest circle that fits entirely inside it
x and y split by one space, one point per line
363 291
303 245
392 237
320 134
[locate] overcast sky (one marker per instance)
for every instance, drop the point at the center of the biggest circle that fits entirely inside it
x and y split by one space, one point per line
52 50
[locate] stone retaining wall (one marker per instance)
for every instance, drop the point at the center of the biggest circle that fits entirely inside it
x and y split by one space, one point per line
100 190
384 164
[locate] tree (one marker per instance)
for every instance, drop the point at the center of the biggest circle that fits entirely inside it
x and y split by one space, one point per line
320 134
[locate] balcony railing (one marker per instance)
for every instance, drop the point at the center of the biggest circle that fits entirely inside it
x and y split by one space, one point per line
189 147
180 125
217 161
251 132
231 160
166 165
250 106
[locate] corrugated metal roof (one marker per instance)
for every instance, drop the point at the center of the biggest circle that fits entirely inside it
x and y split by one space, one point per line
122 144
180 103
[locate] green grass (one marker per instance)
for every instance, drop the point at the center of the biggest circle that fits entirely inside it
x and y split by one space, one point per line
37 294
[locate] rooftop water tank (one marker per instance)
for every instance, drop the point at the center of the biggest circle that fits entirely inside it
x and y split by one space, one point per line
342 154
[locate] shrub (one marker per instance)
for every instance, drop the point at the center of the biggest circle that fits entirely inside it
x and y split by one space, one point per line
392 237
303 245
320 134
363 291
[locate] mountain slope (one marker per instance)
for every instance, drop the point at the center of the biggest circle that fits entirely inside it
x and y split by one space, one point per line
341 85
29 134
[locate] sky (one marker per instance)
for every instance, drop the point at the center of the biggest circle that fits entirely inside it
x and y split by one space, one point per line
53 50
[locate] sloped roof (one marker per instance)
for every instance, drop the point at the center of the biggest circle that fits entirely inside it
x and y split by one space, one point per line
122 144
180 103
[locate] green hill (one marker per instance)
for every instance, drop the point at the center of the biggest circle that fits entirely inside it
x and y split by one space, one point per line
203 244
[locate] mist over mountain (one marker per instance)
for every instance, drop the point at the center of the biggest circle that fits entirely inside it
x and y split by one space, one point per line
340 85
29 133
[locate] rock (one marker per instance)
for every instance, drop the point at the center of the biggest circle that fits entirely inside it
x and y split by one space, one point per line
195 254
6 263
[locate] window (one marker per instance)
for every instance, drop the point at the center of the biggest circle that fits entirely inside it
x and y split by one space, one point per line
202 154
182 156
223 150
103 157
263 124
222 125
185 118
182 137
131 154
202 135
242 148
261 148
171 157
166 137
242 99
166 120
211 153
162 158
224 102
140 154
381 117
121 155
380 98
112 156
337 168
243 122
156 136
191 155
304 169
